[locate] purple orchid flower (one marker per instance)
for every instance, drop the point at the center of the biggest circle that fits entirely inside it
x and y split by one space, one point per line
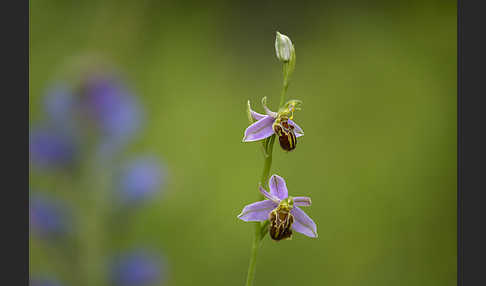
282 211
279 123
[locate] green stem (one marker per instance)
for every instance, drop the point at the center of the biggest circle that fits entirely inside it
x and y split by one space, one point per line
257 238
285 85
254 251
267 164
92 206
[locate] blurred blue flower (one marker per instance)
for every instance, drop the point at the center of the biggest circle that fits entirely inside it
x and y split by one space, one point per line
102 104
114 107
48 217
50 147
137 268
59 104
44 281
139 180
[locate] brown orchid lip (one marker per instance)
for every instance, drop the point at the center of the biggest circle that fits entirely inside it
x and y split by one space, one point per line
281 221
286 135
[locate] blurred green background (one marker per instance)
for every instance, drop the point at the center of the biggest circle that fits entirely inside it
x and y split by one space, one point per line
378 82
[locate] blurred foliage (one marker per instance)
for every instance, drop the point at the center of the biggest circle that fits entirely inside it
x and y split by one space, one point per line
378 82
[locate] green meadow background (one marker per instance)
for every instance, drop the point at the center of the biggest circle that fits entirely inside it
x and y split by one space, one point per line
378 85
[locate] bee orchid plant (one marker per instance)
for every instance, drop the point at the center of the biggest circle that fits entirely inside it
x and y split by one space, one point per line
278 214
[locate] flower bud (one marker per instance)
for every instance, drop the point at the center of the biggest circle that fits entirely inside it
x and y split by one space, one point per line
283 48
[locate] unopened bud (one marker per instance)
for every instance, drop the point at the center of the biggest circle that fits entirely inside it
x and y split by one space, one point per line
283 48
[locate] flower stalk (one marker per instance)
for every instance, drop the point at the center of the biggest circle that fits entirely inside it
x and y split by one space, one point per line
261 227
287 71
276 213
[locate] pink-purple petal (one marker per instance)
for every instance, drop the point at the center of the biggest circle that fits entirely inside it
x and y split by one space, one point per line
256 115
278 188
259 130
258 211
267 195
268 111
302 201
297 129
303 223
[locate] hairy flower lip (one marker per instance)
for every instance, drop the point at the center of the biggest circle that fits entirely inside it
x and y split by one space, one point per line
260 211
263 127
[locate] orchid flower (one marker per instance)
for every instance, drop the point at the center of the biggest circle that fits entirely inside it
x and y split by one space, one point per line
279 123
282 211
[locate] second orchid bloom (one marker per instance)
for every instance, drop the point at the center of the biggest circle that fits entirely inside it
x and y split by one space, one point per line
279 123
282 211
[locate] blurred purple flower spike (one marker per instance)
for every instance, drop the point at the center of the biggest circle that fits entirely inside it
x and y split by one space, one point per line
60 105
102 104
137 268
50 147
116 110
140 179
48 218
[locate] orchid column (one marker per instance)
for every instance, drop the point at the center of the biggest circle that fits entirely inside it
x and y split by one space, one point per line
278 213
